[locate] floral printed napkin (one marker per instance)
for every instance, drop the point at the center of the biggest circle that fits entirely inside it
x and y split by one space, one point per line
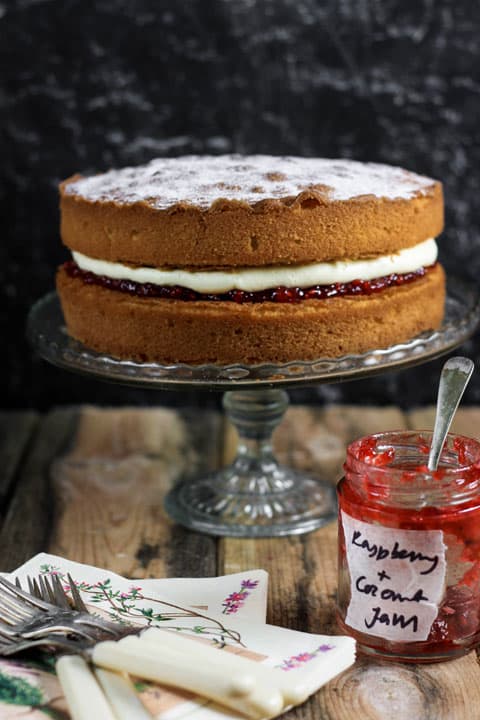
228 612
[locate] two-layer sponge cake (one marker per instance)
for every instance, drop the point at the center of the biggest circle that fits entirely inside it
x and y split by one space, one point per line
250 259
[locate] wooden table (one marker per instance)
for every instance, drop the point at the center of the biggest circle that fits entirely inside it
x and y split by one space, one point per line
112 516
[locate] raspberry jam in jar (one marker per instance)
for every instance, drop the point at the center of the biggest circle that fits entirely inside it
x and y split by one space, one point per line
409 547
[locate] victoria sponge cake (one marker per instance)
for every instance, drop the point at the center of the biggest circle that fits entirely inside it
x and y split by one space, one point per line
250 259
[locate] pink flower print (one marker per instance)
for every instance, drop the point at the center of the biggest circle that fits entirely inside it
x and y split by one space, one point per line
80 585
303 657
296 661
236 600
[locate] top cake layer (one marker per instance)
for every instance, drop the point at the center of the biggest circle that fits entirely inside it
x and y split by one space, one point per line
230 211
202 180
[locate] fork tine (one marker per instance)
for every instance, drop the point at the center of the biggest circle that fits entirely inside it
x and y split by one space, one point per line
20 595
46 589
13 613
14 610
7 619
61 598
31 587
36 587
78 603
15 605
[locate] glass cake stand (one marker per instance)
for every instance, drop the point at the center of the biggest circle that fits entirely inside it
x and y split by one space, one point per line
255 496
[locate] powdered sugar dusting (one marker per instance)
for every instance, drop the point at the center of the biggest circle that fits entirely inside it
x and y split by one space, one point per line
201 180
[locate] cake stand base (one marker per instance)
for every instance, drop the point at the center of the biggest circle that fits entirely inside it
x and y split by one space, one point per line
255 496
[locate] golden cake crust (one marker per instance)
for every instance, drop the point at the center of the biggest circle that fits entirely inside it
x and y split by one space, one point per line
222 228
169 331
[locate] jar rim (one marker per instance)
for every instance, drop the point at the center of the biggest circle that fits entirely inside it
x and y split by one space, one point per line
416 440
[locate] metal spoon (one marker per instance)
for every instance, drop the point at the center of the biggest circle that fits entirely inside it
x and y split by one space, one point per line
456 373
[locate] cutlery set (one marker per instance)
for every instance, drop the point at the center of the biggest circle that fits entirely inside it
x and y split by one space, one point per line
45 618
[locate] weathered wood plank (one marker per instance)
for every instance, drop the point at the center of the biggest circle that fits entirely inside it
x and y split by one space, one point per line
371 691
110 491
466 421
193 554
27 524
16 429
349 422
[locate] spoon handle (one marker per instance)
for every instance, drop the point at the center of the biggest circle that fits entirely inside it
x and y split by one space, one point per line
454 378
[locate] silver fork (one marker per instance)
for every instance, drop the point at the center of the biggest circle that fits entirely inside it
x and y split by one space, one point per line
44 617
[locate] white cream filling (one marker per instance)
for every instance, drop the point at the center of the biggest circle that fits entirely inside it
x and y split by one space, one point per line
253 279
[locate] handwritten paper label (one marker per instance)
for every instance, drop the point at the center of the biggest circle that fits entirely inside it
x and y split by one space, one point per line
397 579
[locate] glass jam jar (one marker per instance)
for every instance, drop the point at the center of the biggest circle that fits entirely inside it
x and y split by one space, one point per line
409 547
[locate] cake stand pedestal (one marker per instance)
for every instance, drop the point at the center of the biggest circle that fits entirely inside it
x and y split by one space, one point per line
255 496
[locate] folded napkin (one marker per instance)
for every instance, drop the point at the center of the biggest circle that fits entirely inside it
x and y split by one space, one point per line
225 611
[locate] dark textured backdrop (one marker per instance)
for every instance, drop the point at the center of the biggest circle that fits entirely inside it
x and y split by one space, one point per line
88 86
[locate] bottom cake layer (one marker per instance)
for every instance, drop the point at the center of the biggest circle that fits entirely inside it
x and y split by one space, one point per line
201 332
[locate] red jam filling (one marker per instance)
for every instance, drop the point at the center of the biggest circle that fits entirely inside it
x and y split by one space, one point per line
459 613
278 294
